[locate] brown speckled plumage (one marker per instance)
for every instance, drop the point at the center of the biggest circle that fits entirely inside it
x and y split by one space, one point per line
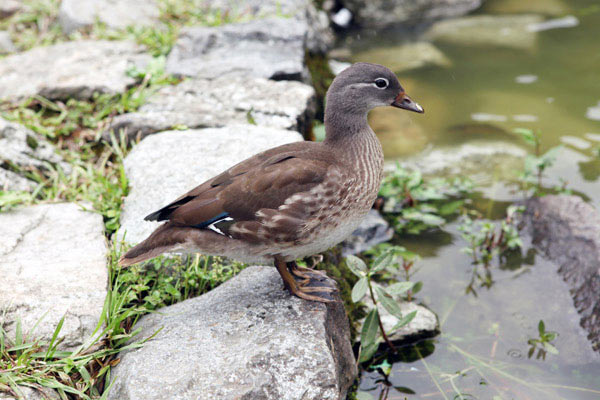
292 201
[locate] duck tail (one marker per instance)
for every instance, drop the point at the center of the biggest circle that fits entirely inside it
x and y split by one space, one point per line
164 239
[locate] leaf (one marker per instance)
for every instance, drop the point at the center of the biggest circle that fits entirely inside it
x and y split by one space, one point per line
382 261
399 288
405 320
541 327
359 289
417 288
368 334
550 348
388 302
356 266
367 352
528 135
450 208
363 396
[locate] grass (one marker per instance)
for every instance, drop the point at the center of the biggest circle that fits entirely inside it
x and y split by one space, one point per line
84 373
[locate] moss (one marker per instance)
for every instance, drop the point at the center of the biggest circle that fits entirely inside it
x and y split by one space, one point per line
321 76
335 266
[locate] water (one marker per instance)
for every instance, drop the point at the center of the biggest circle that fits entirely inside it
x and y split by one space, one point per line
554 87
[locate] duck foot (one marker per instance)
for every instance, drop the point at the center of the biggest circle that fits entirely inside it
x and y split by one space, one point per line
314 286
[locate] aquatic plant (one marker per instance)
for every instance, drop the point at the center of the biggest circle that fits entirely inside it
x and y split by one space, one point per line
542 343
532 175
380 296
416 204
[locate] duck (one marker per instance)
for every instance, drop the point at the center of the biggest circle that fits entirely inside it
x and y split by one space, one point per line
292 201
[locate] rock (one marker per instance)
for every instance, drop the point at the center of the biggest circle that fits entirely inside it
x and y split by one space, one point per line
6 44
53 264
425 323
165 165
511 31
9 7
270 48
116 14
70 70
405 57
338 66
247 339
381 13
543 7
567 231
201 103
24 150
315 23
28 393
372 231
12 181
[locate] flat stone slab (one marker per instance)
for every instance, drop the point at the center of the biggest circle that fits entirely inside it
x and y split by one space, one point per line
116 14
271 48
567 231
24 150
70 70
164 166
202 103
246 339
511 31
53 264
381 13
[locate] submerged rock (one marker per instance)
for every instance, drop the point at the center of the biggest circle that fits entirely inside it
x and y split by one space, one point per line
201 103
567 231
270 48
117 14
543 7
53 265
373 230
23 150
164 166
425 323
6 44
380 13
405 57
511 31
247 339
70 70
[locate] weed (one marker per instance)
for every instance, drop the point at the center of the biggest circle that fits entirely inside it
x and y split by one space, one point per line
542 343
416 204
533 172
380 296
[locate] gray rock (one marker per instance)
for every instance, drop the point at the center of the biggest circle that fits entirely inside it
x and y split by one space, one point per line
424 324
201 103
6 44
405 57
511 31
27 393
53 264
116 14
380 13
9 7
247 339
165 165
315 22
567 231
24 150
270 48
71 69
372 231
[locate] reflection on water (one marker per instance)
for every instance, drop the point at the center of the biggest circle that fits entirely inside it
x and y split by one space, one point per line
474 99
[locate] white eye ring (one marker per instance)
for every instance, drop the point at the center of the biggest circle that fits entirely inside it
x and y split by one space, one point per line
381 83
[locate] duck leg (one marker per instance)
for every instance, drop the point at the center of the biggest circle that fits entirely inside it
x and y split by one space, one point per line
322 287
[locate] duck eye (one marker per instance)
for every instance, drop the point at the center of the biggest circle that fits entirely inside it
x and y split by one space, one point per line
381 83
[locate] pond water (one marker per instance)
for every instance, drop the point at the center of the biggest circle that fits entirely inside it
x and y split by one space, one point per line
477 95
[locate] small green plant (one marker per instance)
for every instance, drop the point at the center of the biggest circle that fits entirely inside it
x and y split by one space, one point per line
542 343
380 296
417 204
537 163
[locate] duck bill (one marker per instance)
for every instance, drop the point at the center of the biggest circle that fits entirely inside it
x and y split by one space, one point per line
405 102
